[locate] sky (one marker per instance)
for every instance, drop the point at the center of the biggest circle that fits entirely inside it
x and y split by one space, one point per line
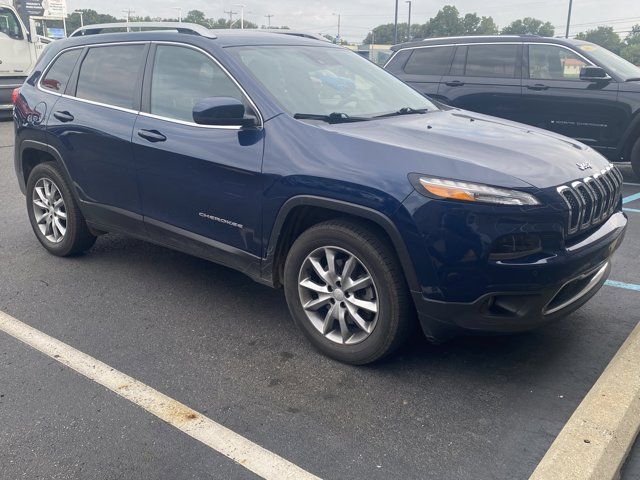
358 17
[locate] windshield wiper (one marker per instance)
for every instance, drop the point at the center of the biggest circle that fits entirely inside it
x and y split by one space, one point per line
334 117
404 111
634 79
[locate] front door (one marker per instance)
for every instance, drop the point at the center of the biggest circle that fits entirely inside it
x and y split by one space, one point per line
197 183
554 98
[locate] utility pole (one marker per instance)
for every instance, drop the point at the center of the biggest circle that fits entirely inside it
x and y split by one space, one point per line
128 12
81 13
231 14
339 17
569 19
409 24
242 6
269 16
395 29
179 13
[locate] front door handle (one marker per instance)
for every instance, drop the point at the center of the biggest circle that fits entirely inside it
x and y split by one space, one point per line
64 116
152 135
455 83
538 87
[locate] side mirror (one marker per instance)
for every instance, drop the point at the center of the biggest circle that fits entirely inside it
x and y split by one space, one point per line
222 111
594 74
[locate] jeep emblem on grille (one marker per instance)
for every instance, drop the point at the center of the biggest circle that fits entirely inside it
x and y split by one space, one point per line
584 166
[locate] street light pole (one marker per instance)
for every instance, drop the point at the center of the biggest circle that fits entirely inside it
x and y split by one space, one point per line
409 25
339 16
242 6
81 13
568 19
395 29
179 13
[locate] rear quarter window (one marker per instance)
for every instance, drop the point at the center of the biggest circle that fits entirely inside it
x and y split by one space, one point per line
110 75
429 61
57 77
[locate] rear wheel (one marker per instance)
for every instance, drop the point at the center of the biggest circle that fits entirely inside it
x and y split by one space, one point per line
635 158
54 214
346 292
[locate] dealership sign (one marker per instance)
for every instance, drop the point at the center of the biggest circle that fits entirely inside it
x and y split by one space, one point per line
42 8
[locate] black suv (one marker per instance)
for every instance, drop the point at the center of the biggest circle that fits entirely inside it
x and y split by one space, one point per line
568 86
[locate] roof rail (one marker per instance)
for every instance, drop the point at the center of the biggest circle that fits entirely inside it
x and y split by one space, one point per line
190 28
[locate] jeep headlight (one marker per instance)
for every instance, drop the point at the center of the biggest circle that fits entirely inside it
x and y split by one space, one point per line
473 192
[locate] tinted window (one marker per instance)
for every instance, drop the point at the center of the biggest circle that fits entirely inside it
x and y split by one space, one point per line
9 24
110 74
498 61
459 61
182 77
58 75
548 62
429 61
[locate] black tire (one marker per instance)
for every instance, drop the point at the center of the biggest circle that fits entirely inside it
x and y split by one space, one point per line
396 314
635 158
77 238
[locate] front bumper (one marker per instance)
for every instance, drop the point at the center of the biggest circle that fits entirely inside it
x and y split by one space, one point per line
518 296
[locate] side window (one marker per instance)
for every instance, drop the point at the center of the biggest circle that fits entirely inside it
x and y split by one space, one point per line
429 61
549 62
57 76
459 61
182 77
9 25
110 74
495 60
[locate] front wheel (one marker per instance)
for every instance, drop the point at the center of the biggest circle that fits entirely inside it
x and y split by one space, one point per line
347 293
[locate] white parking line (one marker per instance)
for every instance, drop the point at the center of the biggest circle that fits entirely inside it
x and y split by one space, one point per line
253 457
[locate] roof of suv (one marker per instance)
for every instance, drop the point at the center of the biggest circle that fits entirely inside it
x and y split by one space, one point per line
487 39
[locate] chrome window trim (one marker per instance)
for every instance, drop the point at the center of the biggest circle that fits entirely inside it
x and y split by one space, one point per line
466 44
140 112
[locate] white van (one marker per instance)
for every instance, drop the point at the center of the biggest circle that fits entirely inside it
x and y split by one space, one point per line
17 54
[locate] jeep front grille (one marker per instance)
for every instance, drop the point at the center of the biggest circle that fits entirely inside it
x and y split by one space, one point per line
591 200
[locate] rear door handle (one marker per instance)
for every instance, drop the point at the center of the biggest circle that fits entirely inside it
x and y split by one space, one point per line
455 83
152 135
538 86
64 116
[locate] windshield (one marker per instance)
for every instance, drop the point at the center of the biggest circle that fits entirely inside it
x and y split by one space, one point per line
611 62
9 25
329 81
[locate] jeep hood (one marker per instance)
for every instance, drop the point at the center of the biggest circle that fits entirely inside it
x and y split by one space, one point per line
445 141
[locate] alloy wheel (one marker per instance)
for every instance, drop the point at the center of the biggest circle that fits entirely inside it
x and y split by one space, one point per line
338 295
49 210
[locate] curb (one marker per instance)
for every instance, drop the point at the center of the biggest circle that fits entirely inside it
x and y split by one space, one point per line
596 440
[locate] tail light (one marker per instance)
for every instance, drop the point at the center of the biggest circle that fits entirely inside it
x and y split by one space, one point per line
14 95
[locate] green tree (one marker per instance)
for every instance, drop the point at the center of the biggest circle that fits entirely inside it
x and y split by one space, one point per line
529 26
446 23
90 17
474 25
487 27
604 36
631 53
197 16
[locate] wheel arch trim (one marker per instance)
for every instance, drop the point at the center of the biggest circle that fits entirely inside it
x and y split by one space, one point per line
340 206
42 147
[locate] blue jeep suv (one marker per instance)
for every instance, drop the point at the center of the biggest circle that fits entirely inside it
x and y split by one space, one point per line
306 166
568 86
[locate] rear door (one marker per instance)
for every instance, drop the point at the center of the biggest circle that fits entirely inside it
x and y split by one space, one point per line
91 127
422 67
199 184
485 78
554 98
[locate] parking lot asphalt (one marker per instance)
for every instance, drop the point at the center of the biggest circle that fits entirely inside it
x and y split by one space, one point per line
473 408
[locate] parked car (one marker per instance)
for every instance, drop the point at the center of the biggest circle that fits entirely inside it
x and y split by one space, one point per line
570 87
305 166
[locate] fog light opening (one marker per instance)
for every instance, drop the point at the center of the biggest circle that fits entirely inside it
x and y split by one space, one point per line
515 245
